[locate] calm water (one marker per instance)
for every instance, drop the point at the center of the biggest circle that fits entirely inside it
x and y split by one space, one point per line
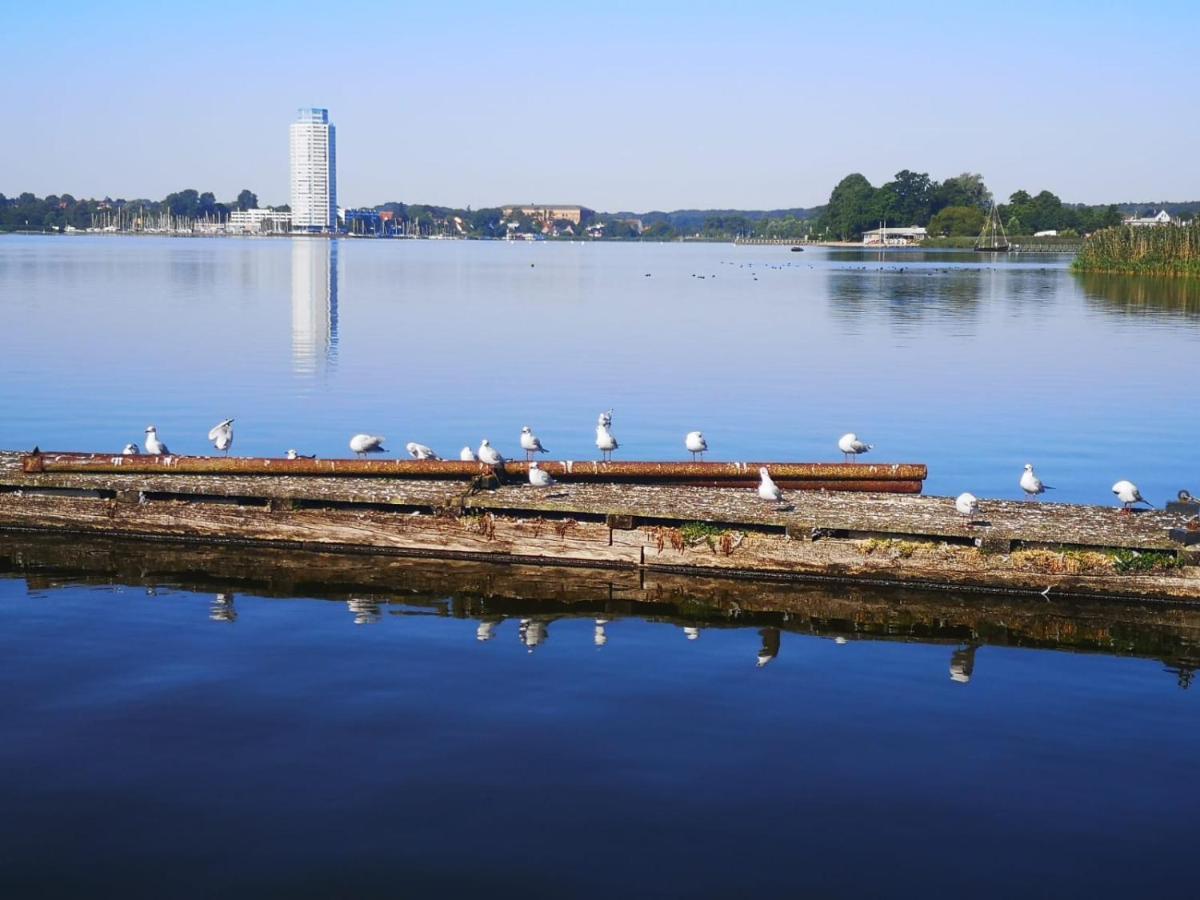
974 367
266 735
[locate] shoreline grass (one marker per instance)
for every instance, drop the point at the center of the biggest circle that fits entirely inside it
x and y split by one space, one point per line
1126 250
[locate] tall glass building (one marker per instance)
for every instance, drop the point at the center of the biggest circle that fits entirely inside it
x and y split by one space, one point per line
314 173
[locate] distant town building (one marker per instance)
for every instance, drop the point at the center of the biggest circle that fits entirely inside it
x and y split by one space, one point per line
1162 217
548 213
1049 232
258 221
894 237
313 153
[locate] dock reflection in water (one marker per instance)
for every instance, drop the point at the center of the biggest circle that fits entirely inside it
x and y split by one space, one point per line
699 735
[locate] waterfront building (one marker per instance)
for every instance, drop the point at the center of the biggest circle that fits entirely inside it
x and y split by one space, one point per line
258 221
1162 217
894 237
313 154
546 214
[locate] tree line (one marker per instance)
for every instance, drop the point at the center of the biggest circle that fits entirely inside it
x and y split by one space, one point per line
57 212
955 207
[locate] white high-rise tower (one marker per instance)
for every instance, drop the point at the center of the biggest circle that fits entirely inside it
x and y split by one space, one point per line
314 173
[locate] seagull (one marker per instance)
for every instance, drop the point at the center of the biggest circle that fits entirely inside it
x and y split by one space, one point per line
1127 492
605 418
130 450
466 454
696 444
531 443
768 489
967 505
489 454
539 477
222 436
604 438
296 454
1031 484
1186 497
154 446
362 444
420 451
851 446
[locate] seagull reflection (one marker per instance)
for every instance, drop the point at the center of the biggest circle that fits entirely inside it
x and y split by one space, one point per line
486 629
770 646
962 663
600 637
222 609
366 611
532 633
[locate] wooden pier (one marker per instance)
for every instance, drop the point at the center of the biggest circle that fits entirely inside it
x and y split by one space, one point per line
686 525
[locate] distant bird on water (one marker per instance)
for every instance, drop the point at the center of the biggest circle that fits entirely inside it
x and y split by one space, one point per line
1031 484
130 450
362 444
767 488
489 454
696 444
539 477
967 505
154 446
466 454
1127 492
222 436
851 446
531 443
420 451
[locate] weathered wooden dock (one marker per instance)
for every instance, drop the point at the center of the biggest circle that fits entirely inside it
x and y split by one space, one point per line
872 537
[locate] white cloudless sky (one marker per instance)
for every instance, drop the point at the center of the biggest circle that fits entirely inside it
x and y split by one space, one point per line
616 106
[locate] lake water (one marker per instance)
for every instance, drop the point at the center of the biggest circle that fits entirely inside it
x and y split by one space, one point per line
212 724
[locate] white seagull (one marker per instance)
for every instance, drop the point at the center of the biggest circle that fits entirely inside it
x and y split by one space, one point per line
696 444
222 436
1031 484
1127 492
154 446
967 505
420 451
362 444
768 489
489 454
296 454
466 454
130 450
851 446
605 441
539 477
530 442
605 418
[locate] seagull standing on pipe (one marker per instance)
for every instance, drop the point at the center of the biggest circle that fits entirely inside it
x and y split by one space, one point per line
605 441
362 444
489 455
539 477
1031 484
1127 492
531 443
222 436
154 446
420 451
696 444
851 446
466 454
130 450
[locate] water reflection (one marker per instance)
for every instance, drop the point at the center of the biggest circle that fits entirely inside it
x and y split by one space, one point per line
314 304
485 595
1126 294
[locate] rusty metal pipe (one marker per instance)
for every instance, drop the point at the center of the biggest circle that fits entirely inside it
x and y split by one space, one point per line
831 476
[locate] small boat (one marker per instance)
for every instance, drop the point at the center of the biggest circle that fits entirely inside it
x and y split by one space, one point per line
797 249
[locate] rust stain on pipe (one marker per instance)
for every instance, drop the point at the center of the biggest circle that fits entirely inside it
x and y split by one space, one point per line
902 477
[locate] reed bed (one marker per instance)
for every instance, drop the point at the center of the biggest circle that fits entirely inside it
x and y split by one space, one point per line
1156 250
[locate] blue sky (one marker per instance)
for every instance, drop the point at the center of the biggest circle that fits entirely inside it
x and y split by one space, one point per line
616 105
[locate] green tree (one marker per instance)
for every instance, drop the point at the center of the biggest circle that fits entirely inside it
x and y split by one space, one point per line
906 199
957 221
247 199
966 189
851 208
